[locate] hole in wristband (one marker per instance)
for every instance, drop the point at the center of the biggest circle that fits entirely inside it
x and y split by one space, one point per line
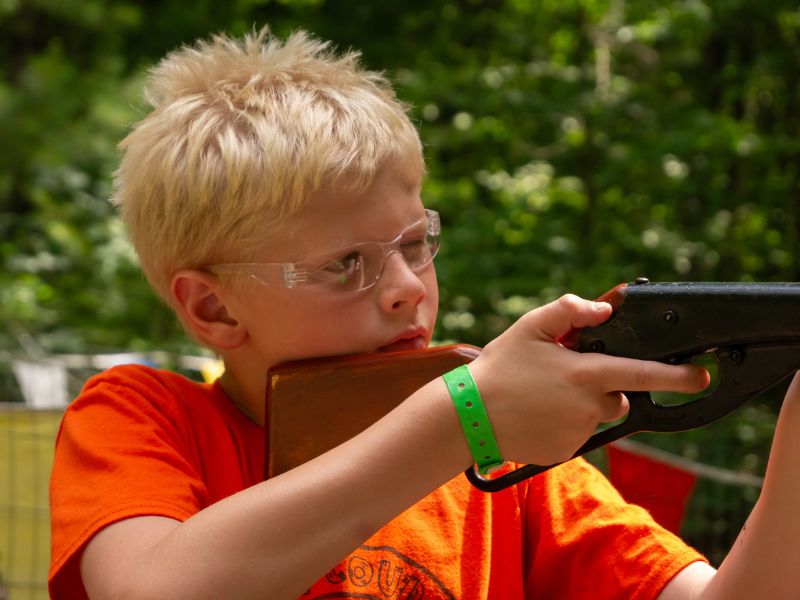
469 405
475 424
482 443
461 386
494 471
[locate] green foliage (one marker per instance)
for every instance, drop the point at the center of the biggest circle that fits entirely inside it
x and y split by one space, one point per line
571 145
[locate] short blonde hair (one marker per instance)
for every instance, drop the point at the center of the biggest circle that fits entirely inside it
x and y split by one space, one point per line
241 136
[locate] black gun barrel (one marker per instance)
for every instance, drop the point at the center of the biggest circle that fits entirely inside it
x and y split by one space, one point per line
670 321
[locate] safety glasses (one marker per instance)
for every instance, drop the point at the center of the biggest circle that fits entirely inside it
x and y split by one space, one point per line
349 269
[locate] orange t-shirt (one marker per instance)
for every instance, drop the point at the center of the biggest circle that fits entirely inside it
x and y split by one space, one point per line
140 441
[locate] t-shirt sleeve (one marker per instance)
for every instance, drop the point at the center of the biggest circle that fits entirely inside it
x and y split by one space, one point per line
120 453
583 541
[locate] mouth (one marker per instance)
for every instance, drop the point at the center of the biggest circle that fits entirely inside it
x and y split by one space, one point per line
410 341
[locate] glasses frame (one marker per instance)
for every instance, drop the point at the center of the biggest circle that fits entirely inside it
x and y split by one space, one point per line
300 274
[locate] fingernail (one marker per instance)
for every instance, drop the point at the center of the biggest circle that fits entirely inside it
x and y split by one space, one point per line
702 376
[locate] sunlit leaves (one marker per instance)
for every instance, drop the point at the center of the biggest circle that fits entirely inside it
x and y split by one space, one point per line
570 145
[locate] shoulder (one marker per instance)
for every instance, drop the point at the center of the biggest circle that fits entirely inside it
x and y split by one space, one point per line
578 492
141 386
132 435
141 407
137 402
141 378
578 521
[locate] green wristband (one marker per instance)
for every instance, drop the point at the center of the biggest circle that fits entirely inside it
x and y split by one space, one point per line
474 420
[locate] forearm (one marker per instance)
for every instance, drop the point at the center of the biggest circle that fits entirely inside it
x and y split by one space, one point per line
763 562
276 538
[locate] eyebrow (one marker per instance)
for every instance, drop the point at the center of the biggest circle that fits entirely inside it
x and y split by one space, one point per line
335 250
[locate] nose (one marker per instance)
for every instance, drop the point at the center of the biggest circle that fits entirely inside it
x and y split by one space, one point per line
399 287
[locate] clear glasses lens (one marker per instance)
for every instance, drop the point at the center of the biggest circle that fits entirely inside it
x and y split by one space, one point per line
361 265
355 268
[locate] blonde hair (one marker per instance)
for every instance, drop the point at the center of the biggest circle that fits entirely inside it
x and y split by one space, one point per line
241 136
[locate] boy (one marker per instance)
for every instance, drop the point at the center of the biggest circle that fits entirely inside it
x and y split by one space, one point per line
273 196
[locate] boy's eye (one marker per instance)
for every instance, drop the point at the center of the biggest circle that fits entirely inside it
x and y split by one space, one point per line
414 250
342 269
344 264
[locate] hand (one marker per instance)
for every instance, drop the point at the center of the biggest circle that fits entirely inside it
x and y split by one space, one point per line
544 401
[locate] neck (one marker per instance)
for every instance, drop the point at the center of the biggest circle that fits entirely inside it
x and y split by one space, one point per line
246 395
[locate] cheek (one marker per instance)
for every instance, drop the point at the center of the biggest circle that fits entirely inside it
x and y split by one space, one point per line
327 327
431 291
286 324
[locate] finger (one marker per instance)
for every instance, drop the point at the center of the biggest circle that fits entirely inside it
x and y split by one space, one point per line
569 312
634 375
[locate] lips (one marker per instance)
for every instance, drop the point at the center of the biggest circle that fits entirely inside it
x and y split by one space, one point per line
410 341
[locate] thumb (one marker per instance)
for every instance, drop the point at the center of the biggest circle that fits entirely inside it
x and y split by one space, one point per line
557 319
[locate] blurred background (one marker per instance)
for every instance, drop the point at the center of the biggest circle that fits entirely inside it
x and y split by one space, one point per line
571 145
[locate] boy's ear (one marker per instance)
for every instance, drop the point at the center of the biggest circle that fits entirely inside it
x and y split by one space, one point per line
202 309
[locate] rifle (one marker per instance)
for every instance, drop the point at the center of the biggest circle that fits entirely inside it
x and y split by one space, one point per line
752 330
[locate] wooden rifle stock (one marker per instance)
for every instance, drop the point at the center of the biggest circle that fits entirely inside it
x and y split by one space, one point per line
314 405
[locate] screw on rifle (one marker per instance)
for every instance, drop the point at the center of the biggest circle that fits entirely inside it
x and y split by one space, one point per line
597 346
670 317
735 356
641 280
